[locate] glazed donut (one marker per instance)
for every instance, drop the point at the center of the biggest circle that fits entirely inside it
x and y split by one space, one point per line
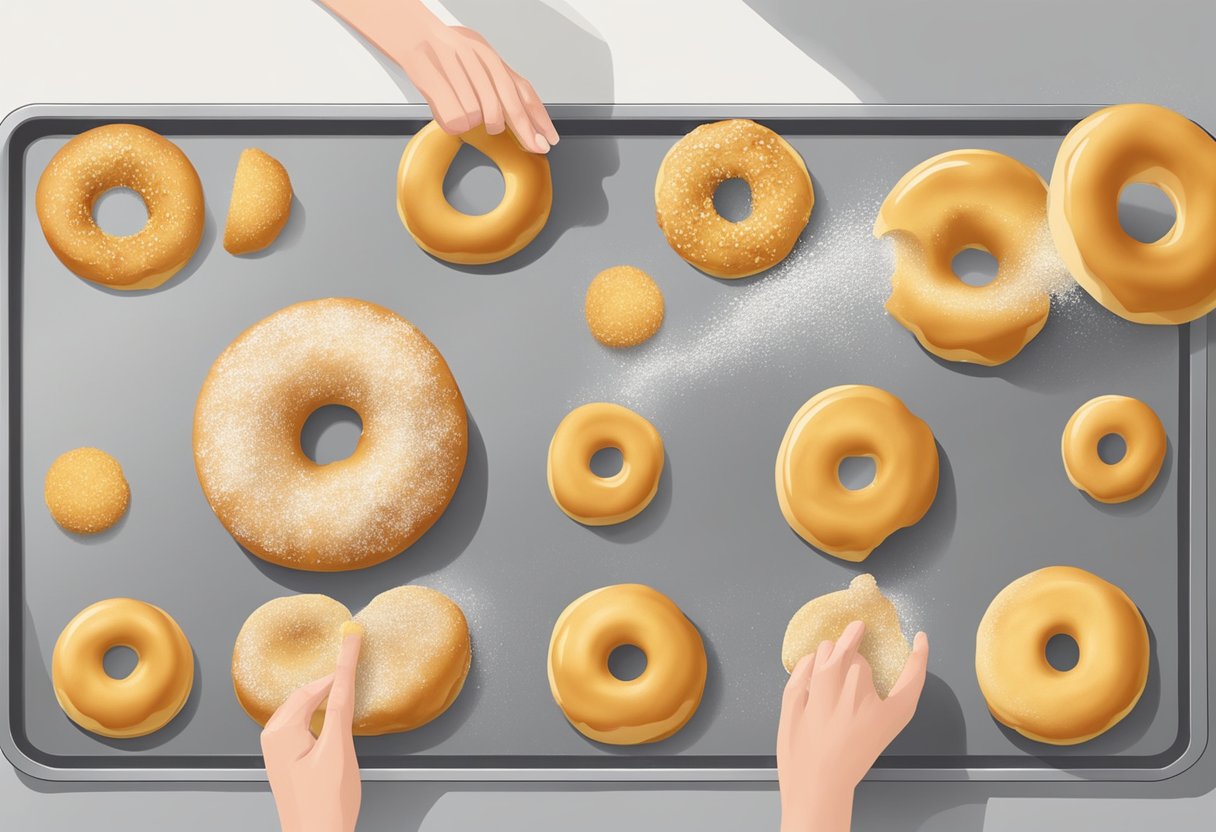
413 661
1172 280
692 170
278 503
846 421
144 701
260 204
1061 707
86 491
603 501
624 307
968 199
121 156
604 708
1141 431
441 230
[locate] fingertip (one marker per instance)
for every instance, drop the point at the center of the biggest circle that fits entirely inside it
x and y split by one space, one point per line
920 643
540 143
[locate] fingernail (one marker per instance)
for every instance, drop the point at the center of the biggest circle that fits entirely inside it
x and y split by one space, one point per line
541 143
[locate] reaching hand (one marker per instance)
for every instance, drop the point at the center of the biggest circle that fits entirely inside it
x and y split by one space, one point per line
316 781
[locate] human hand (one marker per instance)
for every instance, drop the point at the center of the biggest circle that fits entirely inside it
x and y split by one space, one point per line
315 782
834 726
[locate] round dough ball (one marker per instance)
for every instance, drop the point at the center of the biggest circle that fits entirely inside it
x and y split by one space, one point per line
86 491
624 307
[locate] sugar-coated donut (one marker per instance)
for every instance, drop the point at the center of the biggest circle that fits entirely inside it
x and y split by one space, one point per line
1172 280
260 204
413 662
86 491
121 156
356 512
968 199
604 708
602 501
624 306
847 421
451 235
1023 690
1142 433
689 176
145 700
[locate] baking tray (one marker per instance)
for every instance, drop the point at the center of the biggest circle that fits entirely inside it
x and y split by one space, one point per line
86 366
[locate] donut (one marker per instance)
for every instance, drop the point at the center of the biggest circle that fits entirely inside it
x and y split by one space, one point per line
144 701
624 307
841 422
603 501
824 619
121 156
1061 707
968 199
260 205
1172 280
412 664
689 176
86 491
442 231
356 512
604 708
1142 433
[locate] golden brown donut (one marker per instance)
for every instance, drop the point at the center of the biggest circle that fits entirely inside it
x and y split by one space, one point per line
441 230
140 703
782 198
604 708
855 420
86 491
356 512
260 205
1142 433
968 199
121 156
1023 690
1172 280
624 307
412 665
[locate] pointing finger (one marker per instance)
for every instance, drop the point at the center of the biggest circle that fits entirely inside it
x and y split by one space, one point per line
340 710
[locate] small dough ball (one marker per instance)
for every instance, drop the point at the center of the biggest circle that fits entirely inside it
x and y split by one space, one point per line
86 491
824 619
260 204
624 307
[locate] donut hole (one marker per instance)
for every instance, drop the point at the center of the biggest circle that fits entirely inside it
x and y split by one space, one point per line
1112 448
120 212
627 662
975 266
1146 213
331 434
473 184
1062 652
119 661
733 200
856 472
607 462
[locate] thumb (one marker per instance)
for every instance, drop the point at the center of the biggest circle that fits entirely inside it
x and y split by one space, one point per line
901 702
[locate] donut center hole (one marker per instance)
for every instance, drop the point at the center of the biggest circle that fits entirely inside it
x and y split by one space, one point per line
1112 448
974 266
1146 212
856 472
473 184
120 212
733 200
331 434
627 662
1062 652
607 462
119 662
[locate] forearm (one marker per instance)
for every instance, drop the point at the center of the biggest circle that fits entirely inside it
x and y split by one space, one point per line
390 25
819 810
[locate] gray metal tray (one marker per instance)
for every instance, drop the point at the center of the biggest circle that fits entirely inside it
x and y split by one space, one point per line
86 366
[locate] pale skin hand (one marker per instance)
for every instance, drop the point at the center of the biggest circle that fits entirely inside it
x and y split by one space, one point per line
834 726
315 781
463 79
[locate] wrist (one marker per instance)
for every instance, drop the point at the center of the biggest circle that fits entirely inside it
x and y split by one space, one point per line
823 808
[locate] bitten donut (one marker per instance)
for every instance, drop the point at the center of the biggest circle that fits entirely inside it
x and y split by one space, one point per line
86 491
260 204
1172 280
451 235
1142 433
968 199
782 198
356 512
602 501
121 156
847 421
1023 690
144 701
604 708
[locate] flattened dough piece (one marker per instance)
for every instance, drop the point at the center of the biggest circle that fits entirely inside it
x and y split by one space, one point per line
260 204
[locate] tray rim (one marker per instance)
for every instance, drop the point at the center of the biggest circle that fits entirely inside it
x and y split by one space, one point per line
952 114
